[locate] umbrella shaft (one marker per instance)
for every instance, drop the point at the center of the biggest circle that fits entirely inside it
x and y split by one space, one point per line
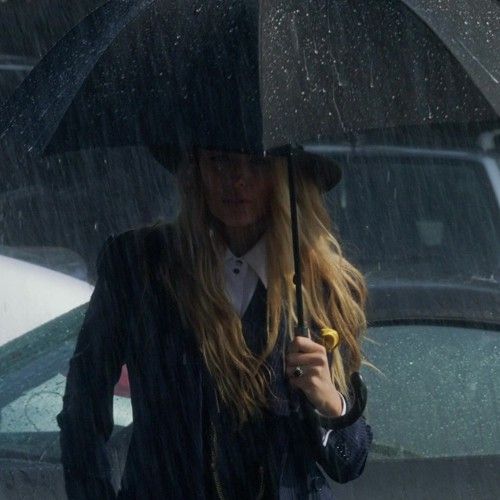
296 246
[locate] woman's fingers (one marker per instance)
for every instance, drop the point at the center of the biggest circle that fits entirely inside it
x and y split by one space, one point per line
305 359
308 371
305 344
307 354
314 378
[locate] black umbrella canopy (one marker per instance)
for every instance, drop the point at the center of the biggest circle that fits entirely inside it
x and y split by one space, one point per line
29 29
366 64
471 31
248 76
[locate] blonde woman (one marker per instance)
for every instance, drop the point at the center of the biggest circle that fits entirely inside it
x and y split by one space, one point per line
202 312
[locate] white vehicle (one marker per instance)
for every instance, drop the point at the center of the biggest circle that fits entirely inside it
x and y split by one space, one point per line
33 300
32 295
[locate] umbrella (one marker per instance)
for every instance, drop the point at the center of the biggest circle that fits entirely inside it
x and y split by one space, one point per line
261 77
470 30
346 58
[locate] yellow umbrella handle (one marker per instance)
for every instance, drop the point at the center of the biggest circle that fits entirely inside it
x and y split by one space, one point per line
330 338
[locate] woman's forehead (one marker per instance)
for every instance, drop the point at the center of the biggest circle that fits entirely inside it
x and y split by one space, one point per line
237 155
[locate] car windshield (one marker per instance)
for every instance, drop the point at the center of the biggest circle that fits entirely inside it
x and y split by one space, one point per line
426 372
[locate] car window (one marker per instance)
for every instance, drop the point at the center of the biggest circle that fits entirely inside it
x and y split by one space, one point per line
437 393
418 218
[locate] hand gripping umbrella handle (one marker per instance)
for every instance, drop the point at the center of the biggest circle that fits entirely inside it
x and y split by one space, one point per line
358 390
309 424
306 425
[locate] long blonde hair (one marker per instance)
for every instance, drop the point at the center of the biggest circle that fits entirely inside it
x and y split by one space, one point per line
334 291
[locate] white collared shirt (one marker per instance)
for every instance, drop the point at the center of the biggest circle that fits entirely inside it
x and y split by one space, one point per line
243 273
241 277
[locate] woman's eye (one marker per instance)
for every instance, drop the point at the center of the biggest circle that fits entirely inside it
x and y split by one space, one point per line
219 158
263 164
258 161
220 162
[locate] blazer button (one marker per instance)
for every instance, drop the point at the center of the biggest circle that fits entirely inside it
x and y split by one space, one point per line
317 482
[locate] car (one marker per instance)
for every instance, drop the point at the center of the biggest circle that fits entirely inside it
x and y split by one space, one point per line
413 212
31 295
74 202
32 382
423 223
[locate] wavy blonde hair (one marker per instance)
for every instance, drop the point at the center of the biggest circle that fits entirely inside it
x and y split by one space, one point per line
334 291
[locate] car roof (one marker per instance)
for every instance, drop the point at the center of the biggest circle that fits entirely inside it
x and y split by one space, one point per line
40 293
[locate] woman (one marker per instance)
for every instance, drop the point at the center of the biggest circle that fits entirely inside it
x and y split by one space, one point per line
202 313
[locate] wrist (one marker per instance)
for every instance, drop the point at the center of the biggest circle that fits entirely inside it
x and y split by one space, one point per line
334 406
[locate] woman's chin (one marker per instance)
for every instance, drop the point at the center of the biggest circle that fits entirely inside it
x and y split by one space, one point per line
239 222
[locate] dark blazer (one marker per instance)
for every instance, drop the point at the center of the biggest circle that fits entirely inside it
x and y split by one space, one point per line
175 439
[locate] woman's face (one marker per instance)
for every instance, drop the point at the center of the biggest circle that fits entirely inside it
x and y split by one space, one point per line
237 186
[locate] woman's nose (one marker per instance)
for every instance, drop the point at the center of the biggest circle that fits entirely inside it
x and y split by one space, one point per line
238 174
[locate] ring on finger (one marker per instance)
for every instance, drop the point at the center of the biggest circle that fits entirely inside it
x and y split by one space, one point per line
298 371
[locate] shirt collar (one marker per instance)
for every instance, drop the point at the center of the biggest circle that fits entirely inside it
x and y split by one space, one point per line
256 258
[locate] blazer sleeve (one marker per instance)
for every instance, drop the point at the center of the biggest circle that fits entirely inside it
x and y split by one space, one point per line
86 420
344 451
341 452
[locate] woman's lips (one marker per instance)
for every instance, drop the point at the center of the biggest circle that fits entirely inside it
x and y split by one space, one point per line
235 201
